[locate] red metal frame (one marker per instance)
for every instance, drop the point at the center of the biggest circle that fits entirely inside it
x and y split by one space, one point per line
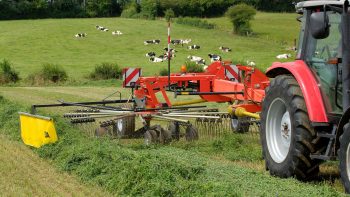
252 83
308 84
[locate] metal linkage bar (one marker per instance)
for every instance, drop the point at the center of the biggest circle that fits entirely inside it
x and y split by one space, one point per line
81 104
207 93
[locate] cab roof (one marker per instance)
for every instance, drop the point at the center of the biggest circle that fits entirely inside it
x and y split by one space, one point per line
316 3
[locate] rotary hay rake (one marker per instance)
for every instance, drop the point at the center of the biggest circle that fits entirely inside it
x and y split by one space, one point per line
240 86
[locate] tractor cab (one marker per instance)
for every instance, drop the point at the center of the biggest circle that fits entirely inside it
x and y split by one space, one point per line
320 47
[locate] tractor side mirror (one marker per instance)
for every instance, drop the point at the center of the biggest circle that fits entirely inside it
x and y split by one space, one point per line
319 25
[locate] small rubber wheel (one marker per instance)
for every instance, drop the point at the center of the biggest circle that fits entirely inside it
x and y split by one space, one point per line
101 132
174 129
124 127
240 124
191 133
165 136
150 137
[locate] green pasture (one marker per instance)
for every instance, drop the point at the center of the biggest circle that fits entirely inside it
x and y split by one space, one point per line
30 43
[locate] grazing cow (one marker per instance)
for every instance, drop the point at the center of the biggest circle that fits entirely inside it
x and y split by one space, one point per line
101 28
214 58
201 62
156 59
150 54
194 47
81 35
147 42
251 63
196 59
171 50
186 41
176 42
117 33
165 56
225 49
283 56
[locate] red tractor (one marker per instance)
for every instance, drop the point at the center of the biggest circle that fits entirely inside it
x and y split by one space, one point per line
305 113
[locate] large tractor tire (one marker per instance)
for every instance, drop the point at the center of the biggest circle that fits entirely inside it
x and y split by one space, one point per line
344 157
286 133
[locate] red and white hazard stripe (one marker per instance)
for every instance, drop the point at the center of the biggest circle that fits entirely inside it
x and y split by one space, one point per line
169 40
130 76
232 73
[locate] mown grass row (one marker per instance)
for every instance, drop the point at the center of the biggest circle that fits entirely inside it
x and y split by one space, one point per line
156 170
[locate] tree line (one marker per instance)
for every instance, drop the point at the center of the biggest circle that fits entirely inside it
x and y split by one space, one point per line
31 9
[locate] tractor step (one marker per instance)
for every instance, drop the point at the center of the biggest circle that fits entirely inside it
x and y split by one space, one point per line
328 154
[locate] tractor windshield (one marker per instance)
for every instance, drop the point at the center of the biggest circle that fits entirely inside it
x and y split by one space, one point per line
320 56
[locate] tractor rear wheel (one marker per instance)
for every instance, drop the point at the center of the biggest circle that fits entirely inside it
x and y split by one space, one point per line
286 133
344 157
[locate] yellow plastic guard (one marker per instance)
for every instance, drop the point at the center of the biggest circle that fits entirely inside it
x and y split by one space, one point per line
36 130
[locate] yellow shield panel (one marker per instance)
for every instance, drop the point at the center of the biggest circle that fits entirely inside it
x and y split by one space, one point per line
37 130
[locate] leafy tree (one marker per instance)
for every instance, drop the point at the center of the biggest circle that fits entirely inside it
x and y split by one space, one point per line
169 14
149 9
130 11
240 16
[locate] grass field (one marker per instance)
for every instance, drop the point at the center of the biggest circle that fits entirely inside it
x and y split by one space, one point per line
30 43
208 167
23 173
230 165
235 157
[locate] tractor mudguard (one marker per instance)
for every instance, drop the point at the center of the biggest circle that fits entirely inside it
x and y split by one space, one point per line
308 84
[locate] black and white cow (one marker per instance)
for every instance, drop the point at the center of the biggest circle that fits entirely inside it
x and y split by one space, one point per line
194 47
186 41
147 42
214 57
156 59
81 35
150 54
225 49
176 42
104 29
171 50
196 59
101 28
251 63
283 56
117 33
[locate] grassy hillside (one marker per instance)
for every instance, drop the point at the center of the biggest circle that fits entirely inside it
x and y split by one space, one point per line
30 43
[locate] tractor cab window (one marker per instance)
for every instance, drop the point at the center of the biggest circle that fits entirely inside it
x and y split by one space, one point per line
319 53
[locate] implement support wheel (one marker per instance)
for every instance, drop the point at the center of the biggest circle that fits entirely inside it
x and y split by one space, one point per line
240 124
191 133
